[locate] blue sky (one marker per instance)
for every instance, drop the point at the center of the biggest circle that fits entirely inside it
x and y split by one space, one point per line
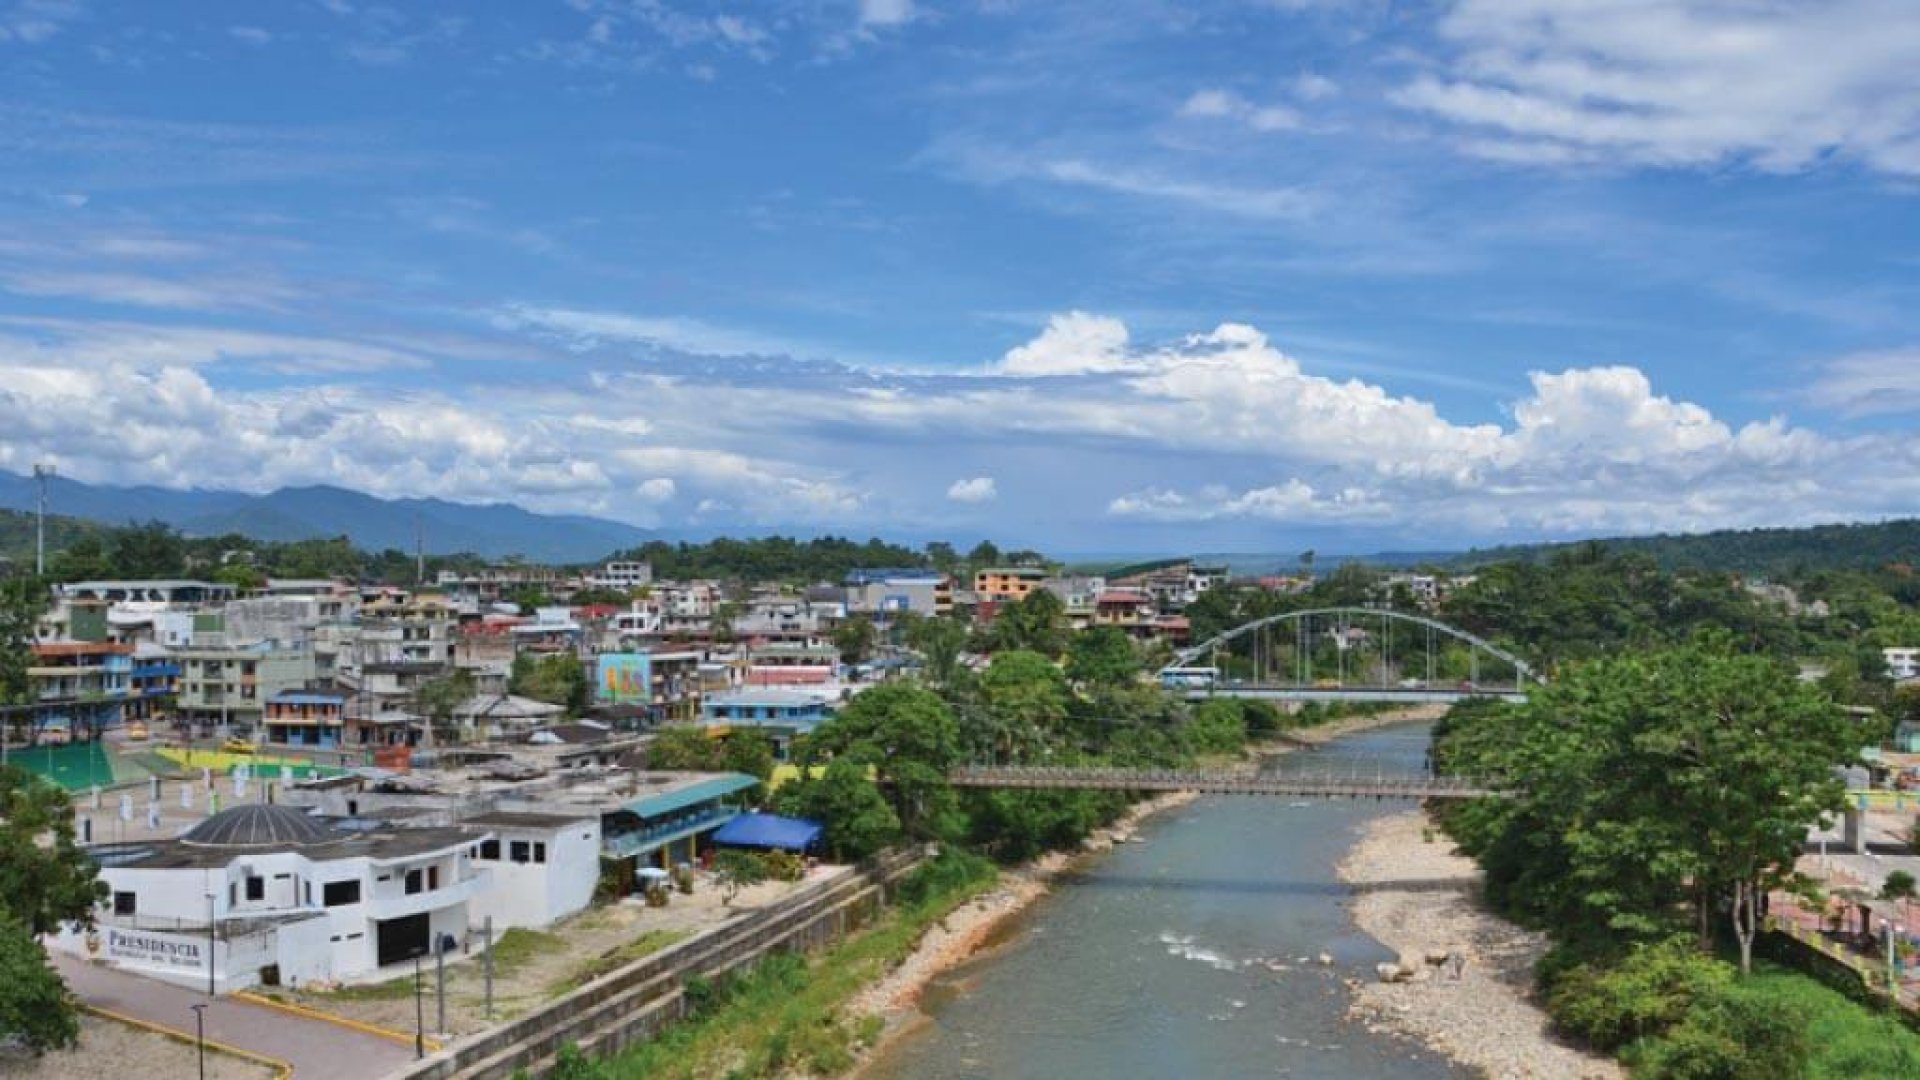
1126 275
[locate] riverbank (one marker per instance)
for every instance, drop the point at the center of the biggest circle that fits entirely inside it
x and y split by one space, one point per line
1417 897
973 928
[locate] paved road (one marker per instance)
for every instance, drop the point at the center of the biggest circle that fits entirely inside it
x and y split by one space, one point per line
316 1049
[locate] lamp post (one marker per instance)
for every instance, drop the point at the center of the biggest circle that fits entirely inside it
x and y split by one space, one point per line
211 946
419 1013
200 1034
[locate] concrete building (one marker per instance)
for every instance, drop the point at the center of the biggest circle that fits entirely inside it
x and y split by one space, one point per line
790 665
228 688
306 718
890 592
1007 583
545 866
1902 663
264 893
81 687
622 575
782 714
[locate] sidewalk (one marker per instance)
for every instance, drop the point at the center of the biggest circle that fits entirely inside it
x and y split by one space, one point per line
317 1050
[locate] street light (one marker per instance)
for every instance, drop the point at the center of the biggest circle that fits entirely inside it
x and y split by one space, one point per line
200 1034
419 1013
211 947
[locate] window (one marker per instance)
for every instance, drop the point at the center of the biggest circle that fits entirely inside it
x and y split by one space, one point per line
123 903
539 852
340 893
433 878
256 888
413 882
307 888
490 849
521 851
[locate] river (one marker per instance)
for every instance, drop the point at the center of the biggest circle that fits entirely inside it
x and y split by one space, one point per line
1190 954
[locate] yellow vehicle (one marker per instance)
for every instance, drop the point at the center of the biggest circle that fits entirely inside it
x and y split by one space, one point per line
237 746
137 732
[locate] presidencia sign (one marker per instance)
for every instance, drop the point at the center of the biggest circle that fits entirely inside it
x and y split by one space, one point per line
155 950
623 679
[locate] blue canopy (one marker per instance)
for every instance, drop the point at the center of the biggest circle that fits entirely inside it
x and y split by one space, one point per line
768 831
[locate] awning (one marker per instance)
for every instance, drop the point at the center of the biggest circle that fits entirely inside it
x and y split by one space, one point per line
768 831
653 806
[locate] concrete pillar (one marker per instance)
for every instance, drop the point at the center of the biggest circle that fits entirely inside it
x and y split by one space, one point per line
1854 830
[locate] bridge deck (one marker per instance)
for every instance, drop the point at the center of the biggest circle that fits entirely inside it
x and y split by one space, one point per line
1221 782
1398 694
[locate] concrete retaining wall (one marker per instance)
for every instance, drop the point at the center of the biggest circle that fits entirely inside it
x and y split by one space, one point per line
633 1002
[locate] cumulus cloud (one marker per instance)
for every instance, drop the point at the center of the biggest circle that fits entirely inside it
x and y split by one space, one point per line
1682 84
978 489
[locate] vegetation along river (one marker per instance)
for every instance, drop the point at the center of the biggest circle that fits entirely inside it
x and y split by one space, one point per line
1182 954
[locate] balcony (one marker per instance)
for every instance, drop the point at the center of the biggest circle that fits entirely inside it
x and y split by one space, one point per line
632 842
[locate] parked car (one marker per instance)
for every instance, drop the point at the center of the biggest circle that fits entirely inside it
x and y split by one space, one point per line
237 746
137 732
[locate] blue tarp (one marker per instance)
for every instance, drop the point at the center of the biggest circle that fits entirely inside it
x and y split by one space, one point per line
768 831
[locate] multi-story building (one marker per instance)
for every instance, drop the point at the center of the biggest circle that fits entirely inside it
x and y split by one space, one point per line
228 687
790 665
622 576
1007 583
782 714
306 718
80 687
891 592
1903 664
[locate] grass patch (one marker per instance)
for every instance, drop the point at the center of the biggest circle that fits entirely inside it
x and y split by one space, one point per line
519 945
1846 1040
786 1014
391 990
613 959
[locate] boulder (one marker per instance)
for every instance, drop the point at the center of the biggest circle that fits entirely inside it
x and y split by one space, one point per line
1392 973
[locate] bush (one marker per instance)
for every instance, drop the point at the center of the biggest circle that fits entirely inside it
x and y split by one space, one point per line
1650 990
1737 1033
34 1007
783 865
1899 884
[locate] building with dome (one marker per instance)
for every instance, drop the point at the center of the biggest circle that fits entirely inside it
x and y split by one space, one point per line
273 894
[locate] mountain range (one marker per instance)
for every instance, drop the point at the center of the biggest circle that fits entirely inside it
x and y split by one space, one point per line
491 530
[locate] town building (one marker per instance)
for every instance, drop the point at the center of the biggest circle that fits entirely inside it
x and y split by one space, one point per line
545 866
783 714
306 718
626 575
265 893
887 593
1007 583
1903 664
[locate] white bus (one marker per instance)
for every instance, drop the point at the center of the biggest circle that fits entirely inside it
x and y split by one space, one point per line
1190 678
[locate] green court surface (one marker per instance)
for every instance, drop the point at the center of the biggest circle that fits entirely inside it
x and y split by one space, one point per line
76 767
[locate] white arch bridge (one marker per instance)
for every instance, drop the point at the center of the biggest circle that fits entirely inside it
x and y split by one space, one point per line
1349 654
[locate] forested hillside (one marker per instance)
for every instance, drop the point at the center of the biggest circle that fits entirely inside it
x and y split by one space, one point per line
1764 552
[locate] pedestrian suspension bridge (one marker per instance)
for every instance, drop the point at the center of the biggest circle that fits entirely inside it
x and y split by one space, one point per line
1349 654
1298 785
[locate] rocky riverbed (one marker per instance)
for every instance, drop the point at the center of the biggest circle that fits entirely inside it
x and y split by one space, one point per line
1421 899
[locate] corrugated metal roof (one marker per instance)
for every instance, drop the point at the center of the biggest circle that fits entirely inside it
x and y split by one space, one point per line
693 794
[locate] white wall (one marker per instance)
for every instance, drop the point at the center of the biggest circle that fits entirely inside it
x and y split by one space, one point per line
539 894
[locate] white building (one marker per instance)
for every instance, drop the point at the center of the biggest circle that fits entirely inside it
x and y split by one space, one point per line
544 865
1902 663
625 576
291 898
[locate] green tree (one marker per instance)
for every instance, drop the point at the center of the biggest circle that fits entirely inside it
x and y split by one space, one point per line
1646 781
241 576
438 699
23 601
737 870
1104 655
1897 886
45 878
854 638
857 820
939 642
34 1006
1036 622
1025 699
912 740
559 679
688 749
147 551
748 750
85 559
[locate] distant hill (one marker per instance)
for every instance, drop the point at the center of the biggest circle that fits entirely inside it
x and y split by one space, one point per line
492 530
1773 552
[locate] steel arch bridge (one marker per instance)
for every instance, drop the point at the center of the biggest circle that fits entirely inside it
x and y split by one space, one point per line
1296 673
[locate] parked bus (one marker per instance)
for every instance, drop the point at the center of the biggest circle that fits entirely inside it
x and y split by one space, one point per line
1190 678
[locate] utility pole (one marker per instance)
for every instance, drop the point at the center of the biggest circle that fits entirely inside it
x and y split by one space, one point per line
41 474
419 552
200 1035
419 1014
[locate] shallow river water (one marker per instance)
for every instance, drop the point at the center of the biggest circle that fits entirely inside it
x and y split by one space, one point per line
1190 954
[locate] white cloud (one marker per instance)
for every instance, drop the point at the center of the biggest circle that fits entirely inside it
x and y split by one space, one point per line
1871 382
587 330
142 290
1686 83
31 22
978 489
251 35
1072 344
1312 87
886 12
1225 104
656 490
1290 501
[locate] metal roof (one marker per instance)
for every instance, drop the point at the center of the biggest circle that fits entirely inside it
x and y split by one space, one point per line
693 794
259 826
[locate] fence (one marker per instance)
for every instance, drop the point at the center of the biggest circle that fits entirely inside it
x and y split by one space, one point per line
633 1002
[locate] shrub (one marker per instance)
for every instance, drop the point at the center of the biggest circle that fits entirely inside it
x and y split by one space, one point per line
1736 1033
1648 991
1899 884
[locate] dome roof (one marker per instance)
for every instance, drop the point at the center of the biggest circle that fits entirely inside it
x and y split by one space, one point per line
258 827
